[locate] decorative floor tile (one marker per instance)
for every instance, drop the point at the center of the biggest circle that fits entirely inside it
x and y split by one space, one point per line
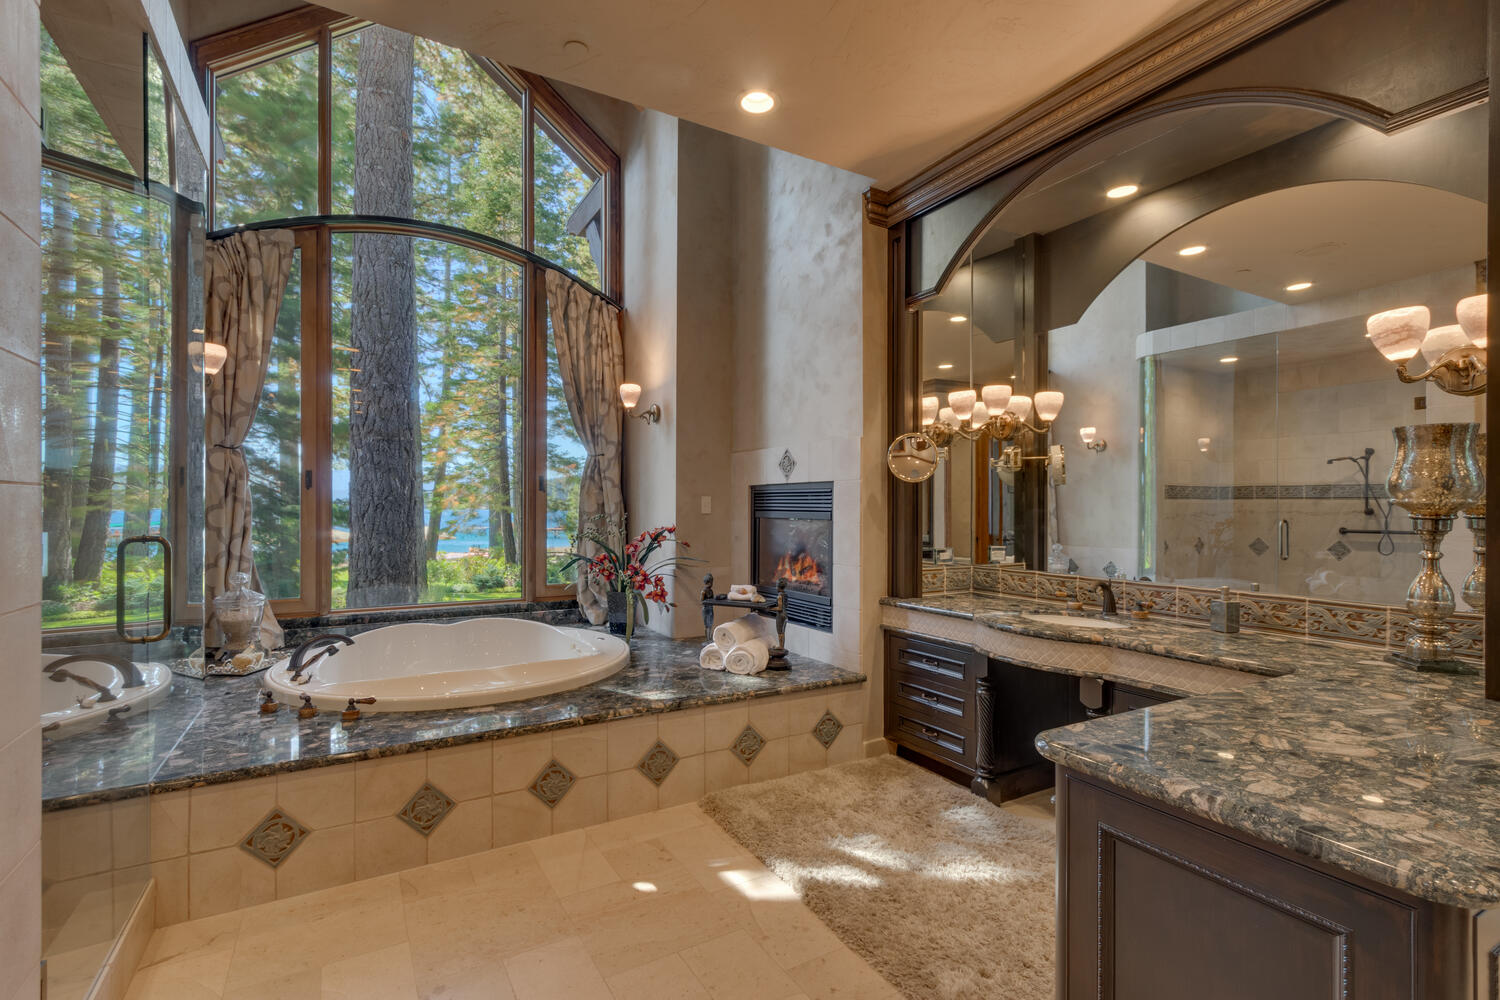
552 783
827 730
426 809
275 837
658 762
748 745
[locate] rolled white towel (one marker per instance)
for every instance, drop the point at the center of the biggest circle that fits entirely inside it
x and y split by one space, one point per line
752 626
749 657
712 658
743 592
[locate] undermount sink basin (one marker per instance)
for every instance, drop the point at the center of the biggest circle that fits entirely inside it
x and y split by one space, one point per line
1071 621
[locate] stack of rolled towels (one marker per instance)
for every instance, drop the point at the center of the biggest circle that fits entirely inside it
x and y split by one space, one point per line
742 646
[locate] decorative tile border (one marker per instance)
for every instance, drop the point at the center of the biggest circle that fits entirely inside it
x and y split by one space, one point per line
1264 491
427 807
657 763
274 838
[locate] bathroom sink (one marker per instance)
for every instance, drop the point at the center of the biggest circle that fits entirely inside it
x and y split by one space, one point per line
1072 621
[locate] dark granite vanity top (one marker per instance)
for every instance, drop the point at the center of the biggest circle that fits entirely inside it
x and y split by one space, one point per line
208 732
1384 772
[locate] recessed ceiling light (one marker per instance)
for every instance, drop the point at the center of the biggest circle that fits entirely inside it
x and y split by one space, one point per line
957 319
1299 286
1191 251
1228 359
1123 191
757 102
945 367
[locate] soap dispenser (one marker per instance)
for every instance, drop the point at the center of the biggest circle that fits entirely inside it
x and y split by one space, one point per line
1224 614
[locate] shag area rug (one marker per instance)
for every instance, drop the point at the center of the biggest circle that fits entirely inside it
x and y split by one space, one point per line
945 895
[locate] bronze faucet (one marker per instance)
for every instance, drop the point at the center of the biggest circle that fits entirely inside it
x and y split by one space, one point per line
320 646
1107 594
60 675
127 669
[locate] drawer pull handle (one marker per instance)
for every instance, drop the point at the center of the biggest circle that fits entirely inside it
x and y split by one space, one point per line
931 699
927 661
930 733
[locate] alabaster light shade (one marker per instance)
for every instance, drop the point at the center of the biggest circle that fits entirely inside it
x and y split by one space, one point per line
1048 404
630 394
1398 333
1442 339
962 401
1087 434
929 409
1203 443
996 397
980 416
1474 317
947 416
1020 406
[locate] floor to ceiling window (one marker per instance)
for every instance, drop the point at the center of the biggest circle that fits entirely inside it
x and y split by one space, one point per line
412 444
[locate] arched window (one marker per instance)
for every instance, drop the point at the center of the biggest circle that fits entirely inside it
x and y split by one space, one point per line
428 189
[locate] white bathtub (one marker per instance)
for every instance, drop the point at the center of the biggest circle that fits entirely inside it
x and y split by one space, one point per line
423 666
69 707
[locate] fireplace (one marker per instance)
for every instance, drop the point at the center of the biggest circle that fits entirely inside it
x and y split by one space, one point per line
793 540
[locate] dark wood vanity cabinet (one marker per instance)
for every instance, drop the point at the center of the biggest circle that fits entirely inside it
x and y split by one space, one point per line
1155 904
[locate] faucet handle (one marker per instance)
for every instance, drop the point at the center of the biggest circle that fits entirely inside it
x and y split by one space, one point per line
308 710
350 713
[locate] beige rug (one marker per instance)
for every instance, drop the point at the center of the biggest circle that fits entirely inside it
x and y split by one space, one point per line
944 894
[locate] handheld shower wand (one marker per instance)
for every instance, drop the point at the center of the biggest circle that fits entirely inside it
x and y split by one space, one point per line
1387 545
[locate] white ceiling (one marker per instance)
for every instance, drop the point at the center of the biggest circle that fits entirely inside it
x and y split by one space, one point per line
879 87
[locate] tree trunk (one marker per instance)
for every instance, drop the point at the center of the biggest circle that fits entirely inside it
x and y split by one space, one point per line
58 457
154 491
90 560
503 484
440 468
387 563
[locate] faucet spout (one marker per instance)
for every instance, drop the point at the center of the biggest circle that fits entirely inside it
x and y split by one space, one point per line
1107 595
319 646
128 670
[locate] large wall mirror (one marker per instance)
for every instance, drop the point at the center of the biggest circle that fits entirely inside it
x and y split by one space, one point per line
1197 283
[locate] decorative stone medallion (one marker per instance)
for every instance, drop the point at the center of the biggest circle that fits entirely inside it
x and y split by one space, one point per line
551 783
827 730
658 762
747 745
426 809
787 464
275 837
1259 546
1339 550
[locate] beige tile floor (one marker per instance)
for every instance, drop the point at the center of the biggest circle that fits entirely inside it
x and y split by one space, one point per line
663 906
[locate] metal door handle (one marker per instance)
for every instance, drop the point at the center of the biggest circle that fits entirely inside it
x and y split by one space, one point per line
1284 537
166 559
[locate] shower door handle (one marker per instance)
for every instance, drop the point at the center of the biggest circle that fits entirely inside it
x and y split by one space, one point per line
166 560
1284 539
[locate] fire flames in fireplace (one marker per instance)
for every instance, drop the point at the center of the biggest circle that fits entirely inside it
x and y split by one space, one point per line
801 572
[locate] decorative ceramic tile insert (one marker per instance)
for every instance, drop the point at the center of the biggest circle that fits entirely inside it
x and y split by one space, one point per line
1339 550
658 762
827 730
552 783
1259 546
426 809
275 837
748 745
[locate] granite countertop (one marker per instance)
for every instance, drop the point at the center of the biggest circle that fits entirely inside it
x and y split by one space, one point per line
208 732
1341 756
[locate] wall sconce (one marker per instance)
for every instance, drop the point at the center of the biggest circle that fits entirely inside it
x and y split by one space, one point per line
1091 440
206 358
994 410
630 394
1457 356
1203 444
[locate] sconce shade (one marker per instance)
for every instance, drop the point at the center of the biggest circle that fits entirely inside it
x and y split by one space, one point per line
1203 443
981 415
962 401
630 394
1474 317
1398 333
1049 404
1442 339
1087 434
948 417
207 358
929 409
995 397
1020 406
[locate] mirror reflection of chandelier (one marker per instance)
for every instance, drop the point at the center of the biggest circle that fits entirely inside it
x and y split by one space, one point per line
995 410
1457 355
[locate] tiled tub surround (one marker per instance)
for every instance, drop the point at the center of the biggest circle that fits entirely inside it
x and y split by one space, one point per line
1361 764
279 807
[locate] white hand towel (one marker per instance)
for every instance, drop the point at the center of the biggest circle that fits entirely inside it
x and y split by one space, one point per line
743 592
749 657
712 658
751 626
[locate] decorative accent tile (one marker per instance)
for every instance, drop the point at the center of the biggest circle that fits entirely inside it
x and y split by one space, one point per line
987 578
960 580
1276 615
1194 603
933 580
1339 550
427 807
275 837
1259 546
1017 582
551 783
827 729
1347 622
787 464
658 762
1198 545
748 745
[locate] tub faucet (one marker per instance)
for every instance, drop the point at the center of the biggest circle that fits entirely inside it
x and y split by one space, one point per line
319 646
1107 594
104 693
127 669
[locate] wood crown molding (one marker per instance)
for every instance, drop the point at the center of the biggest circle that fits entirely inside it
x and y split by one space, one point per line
1182 47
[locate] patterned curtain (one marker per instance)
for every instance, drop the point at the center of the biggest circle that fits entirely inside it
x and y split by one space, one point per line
592 362
245 275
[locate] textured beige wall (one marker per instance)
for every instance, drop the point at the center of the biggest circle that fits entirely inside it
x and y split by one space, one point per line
20 498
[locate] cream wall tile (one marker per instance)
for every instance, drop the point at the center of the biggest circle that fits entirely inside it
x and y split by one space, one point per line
76 842
519 816
383 786
630 794
629 739
849 745
130 832
227 879
723 723
518 760
772 761
584 750
464 772
127 887
848 703
804 711
20 928
722 769
682 731
586 804
770 717
78 913
20 403
169 824
20 770
171 890
467 829
805 753
320 797
685 784
222 815
325 859
386 845
19 630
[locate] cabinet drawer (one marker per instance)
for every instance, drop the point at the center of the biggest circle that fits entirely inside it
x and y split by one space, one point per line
952 667
931 736
910 690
